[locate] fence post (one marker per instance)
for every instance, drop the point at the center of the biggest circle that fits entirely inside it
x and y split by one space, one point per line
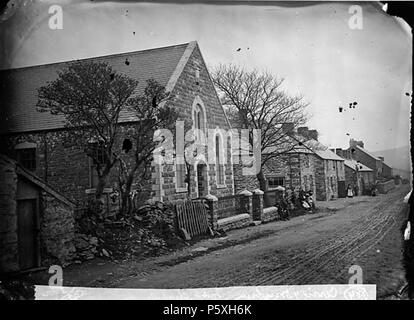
257 204
212 203
246 202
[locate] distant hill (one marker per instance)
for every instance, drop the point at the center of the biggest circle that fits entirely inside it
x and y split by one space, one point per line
398 158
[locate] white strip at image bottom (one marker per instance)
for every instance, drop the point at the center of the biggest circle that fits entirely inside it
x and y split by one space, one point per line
295 292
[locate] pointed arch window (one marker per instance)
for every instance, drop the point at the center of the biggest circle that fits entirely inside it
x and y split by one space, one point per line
199 121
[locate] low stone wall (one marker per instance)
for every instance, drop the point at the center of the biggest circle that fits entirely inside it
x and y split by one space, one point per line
270 214
384 187
234 222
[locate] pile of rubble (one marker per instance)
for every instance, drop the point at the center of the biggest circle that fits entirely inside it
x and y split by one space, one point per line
88 247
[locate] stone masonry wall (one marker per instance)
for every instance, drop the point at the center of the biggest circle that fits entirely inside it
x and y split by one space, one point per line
8 217
57 229
320 180
350 177
370 162
187 90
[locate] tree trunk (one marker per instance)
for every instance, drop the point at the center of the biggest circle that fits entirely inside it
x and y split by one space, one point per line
97 205
262 180
126 205
100 187
263 186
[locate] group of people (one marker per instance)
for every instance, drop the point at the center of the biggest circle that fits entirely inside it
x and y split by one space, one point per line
291 200
353 191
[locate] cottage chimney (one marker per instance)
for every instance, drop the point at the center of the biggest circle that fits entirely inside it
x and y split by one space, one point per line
313 134
340 152
353 143
303 131
288 127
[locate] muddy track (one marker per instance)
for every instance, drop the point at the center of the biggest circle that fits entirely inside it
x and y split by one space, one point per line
327 258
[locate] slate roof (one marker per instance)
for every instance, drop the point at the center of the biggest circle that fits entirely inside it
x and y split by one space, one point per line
322 151
308 146
18 87
368 153
361 167
297 148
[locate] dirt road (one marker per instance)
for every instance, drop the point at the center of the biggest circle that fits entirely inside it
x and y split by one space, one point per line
315 249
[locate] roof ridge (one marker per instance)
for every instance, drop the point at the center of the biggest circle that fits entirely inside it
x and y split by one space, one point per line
96 57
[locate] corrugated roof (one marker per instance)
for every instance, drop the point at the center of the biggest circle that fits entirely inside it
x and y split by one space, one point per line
18 87
361 167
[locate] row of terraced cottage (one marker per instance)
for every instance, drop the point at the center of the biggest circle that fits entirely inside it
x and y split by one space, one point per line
43 182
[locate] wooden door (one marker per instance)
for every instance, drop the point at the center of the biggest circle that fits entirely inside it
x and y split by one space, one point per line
27 233
341 189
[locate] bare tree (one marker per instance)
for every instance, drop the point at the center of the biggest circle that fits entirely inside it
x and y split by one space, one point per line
90 97
153 112
255 100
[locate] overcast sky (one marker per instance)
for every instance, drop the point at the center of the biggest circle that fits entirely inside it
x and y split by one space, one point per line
312 47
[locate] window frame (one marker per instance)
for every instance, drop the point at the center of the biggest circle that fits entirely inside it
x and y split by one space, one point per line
27 155
276 185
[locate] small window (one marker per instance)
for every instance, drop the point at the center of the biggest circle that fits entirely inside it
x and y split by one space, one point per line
126 145
274 182
305 181
199 118
27 158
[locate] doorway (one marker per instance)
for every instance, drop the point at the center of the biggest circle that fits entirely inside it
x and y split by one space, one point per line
28 244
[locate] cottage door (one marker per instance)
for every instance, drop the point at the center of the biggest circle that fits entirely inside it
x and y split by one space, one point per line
341 189
26 232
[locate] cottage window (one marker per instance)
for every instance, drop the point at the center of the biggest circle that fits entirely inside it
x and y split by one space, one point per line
274 182
27 158
219 161
305 181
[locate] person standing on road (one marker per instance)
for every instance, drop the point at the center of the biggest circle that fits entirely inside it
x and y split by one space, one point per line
349 191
